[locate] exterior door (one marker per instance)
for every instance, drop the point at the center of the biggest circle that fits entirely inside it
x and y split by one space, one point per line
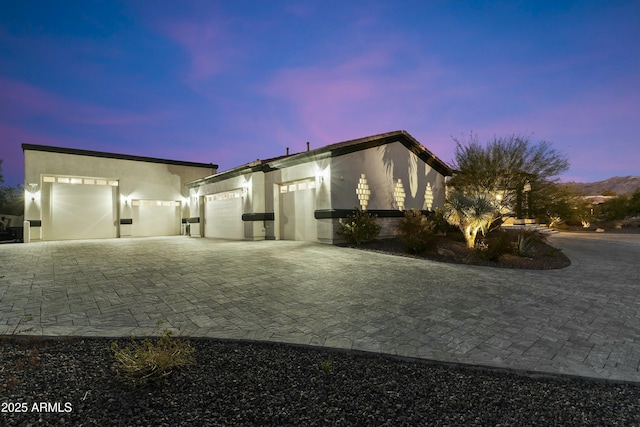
297 208
223 215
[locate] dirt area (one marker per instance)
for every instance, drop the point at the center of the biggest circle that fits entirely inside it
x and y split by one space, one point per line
452 248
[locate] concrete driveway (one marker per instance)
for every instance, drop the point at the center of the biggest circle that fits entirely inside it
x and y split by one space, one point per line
582 320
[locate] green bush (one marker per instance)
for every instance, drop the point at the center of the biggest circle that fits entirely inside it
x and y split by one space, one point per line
150 360
416 231
359 227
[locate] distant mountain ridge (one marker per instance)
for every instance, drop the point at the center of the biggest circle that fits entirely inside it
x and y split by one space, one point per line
618 185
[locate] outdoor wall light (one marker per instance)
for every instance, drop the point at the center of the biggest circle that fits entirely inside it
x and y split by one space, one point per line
320 174
245 187
32 189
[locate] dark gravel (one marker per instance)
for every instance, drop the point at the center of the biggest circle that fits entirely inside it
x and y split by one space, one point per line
238 383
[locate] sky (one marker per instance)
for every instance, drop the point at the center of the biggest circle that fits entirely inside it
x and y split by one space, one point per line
228 82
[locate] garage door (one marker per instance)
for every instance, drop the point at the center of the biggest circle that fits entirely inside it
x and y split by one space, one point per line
297 208
223 215
155 218
81 211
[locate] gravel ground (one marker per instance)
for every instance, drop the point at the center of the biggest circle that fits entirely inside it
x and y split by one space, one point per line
239 383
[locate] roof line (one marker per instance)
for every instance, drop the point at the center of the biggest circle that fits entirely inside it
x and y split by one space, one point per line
333 150
103 154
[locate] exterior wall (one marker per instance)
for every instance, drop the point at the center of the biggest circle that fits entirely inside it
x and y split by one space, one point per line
383 166
137 181
318 171
396 179
335 181
252 187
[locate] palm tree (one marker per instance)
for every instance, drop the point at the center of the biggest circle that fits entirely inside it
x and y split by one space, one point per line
470 213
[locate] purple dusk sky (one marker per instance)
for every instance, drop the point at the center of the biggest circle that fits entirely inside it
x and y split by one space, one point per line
232 81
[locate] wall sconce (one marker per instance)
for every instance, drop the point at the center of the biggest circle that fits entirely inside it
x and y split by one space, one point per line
33 189
320 174
126 200
246 186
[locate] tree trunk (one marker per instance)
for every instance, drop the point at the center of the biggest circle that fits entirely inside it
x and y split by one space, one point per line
470 236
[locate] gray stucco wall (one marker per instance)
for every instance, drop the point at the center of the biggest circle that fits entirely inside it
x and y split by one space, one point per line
383 166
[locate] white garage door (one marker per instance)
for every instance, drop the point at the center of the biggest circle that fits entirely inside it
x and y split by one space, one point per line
297 207
80 211
223 215
155 218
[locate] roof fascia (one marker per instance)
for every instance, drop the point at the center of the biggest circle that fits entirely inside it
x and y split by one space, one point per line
106 155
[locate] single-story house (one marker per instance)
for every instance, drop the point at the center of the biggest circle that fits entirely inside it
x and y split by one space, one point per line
298 196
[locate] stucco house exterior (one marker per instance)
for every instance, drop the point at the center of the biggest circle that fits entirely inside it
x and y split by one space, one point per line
79 194
302 196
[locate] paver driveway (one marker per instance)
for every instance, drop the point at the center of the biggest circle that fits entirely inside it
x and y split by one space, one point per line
581 320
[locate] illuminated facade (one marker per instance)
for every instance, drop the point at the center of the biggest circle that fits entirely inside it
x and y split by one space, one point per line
302 196
78 194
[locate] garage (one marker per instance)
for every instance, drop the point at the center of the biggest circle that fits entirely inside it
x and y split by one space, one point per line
297 207
155 218
223 215
80 208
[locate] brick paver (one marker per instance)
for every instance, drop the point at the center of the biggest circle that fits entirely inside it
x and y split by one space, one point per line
582 320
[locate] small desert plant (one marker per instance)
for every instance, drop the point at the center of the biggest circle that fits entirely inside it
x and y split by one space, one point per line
327 365
150 360
524 245
471 214
416 231
359 227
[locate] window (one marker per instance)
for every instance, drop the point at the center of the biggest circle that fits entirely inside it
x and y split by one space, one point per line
225 195
78 180
301 185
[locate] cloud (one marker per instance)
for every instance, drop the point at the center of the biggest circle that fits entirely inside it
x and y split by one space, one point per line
369 93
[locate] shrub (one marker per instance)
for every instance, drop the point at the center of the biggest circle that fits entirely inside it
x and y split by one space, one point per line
524 245
327 365
150 360
498 243
359 227
416 231
440 224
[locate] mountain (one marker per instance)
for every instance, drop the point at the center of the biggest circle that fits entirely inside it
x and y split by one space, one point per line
617 185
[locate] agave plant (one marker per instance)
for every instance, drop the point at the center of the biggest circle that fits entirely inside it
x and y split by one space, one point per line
470 214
